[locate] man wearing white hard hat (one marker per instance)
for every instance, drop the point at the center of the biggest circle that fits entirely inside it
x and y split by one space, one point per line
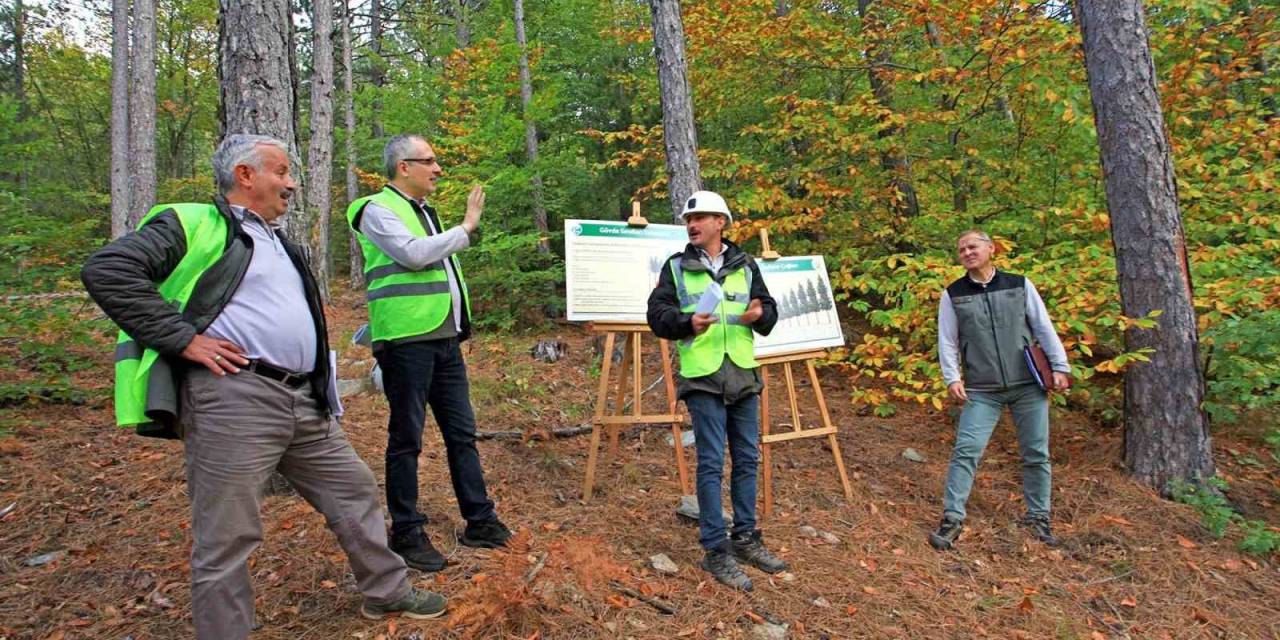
708 300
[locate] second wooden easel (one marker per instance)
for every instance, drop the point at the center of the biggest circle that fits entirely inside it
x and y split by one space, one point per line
767 438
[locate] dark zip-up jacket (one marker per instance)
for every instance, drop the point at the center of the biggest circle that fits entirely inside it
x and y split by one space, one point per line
123 276
670 323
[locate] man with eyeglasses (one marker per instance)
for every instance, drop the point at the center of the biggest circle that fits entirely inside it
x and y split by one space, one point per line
419 313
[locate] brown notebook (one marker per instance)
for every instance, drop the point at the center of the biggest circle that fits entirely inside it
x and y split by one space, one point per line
1038 365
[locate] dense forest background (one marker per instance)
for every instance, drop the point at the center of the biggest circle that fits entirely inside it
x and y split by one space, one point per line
868 132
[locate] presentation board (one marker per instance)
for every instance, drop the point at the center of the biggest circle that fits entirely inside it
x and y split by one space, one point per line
610 268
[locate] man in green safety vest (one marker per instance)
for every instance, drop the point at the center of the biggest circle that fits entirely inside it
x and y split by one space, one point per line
223 344
419 313
709 298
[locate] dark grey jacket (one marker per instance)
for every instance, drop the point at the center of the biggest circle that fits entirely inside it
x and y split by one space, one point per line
123 276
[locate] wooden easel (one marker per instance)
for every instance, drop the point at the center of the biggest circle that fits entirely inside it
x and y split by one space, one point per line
797 430
633 362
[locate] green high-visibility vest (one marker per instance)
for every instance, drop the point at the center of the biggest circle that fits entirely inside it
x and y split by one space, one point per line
403 302
702 355
206 233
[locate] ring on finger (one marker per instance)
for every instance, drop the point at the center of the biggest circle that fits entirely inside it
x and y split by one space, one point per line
217 357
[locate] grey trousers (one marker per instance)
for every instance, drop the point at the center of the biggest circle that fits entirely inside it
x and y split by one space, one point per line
1030 408
236 430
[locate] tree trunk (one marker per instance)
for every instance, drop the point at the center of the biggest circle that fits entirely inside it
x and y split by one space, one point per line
119 118
893 160
142 112
678 132
462 24
1166 432
531 132
377 68
320 156
20 82
257 84
349 97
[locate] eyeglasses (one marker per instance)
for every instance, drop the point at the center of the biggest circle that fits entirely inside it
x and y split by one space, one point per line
422 160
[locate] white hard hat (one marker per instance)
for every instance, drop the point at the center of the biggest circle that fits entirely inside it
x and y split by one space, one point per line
705 202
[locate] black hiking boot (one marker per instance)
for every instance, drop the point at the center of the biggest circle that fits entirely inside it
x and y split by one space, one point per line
720 564
416 550
749 548
1039 525
489 534
946 535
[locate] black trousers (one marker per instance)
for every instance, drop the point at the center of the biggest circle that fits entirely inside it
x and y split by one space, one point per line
415 375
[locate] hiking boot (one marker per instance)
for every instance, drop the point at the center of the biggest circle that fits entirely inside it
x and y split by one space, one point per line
749 548
720 564
489 534
416 550
1039 525
946 535
419 605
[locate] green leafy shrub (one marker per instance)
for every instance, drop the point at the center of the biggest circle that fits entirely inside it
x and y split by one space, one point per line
1244 365
510 283
1217 515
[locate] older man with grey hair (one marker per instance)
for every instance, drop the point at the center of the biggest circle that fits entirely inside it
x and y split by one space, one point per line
223 344
985 319
419 314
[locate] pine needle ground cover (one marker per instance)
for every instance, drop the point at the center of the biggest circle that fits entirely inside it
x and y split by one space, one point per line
111 508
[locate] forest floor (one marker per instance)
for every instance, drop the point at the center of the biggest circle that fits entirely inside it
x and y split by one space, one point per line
111 508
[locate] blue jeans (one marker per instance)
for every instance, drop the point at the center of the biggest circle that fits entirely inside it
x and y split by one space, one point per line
414 375
714 423
1030 408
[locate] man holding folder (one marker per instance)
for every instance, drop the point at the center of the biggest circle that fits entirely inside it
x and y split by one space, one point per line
709 298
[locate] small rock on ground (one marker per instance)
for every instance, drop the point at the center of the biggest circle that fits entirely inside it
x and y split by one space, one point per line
663 564
769 631
829 538
912 455
808 531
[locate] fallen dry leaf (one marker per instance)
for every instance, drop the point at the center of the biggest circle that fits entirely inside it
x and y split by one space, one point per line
1129 602
328 584
1185 543
1026 605
1117 520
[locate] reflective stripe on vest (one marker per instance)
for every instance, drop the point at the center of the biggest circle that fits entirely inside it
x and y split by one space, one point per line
403 302
702 355
206 234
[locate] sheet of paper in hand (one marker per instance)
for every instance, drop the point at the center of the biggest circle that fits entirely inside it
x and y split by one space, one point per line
711 297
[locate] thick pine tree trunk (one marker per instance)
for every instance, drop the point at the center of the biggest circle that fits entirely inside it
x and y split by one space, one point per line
120 202
530 132
257 83
1166 432
142 112
320 156
348 99
678 131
